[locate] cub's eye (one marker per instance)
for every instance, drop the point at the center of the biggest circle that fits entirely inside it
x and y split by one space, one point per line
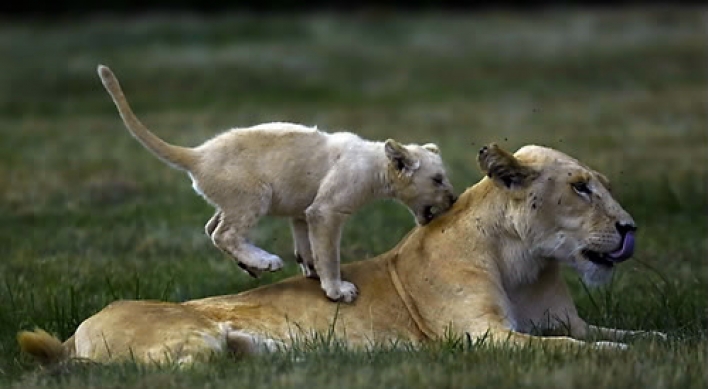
438 179
581 188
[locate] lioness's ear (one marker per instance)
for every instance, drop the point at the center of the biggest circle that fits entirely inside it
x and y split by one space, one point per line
502 167
432 147
401 158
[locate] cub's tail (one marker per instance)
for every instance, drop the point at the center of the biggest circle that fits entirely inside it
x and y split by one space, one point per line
180 157
44 347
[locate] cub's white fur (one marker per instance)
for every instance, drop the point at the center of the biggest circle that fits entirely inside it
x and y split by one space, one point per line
315 178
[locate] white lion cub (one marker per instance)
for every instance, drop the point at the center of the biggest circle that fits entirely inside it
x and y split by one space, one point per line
315 178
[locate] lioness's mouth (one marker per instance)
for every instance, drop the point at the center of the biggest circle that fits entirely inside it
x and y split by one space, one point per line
598 258
626 249
623 253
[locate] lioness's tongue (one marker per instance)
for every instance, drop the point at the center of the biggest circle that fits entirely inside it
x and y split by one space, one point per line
627 249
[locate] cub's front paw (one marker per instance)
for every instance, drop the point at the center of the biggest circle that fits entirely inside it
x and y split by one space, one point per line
342 291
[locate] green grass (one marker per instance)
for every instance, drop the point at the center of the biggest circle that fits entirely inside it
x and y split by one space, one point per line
88 216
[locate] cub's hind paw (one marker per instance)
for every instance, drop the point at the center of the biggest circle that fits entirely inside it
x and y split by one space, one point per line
255 273
267 262
344 291
306 267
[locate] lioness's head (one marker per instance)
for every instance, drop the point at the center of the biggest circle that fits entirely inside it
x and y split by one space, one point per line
418 179
562 209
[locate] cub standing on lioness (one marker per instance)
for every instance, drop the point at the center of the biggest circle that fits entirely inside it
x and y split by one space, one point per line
315 178
490 268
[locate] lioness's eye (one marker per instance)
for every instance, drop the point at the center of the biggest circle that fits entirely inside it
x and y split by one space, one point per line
581 188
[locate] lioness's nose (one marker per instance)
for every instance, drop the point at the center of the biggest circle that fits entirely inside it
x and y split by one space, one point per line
624 228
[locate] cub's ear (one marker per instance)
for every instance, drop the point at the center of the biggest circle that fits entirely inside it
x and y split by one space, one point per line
502 167
400 157
432 147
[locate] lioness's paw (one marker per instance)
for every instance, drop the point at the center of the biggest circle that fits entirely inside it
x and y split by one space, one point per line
345 292
652 334
604 345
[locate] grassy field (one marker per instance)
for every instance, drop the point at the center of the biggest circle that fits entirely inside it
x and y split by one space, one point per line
88 216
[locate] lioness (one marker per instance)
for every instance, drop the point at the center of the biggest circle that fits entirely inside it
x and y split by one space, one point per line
490 267
315 178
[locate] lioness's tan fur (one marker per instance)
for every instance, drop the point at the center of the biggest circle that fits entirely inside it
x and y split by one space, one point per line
316 178
490 267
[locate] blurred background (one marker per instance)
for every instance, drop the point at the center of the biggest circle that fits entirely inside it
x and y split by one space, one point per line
84 7
87 215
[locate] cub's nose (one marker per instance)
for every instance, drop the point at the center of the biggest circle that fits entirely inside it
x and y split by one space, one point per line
452 199
624 228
